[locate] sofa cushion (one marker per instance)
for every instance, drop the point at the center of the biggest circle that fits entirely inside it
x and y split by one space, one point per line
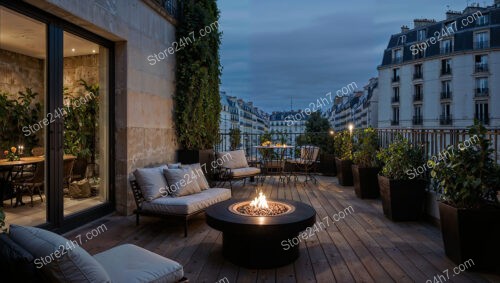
130 263
16 262
174 165
181 182
151 180
232 159
187 204
59 259
199 176
244 172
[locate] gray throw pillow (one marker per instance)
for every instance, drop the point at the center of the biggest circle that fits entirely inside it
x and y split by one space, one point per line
151 181
59 259
181 182
199 176
174 165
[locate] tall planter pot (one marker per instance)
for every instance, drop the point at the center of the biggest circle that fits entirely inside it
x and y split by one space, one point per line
204 157
471 234
402 200
327 164
344 172
366 181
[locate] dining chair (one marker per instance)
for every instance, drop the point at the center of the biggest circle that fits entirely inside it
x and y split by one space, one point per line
306 164
31 184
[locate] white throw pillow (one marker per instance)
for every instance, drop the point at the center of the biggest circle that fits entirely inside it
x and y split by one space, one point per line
151 181
181 182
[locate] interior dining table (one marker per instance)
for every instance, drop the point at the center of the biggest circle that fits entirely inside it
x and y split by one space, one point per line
6 171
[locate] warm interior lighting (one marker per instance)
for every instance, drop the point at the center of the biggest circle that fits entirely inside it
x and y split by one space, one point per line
260 201
72 49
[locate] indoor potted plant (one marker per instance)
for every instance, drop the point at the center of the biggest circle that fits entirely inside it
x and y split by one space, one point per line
402 196
343 157
469 209
197 100
366 165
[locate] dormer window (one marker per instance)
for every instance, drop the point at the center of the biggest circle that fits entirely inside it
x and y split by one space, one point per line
421 35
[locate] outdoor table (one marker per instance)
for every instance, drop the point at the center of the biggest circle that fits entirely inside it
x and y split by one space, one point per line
269 163
6 168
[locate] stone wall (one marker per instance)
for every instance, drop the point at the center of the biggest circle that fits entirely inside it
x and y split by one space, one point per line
144 134
19 71
84 67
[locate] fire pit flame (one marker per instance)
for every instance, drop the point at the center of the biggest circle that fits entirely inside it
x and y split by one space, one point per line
260 202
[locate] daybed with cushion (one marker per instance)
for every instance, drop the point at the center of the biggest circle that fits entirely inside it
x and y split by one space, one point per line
174 191
235 166
29 254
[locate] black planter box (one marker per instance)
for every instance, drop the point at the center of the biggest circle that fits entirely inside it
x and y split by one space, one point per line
327 165
402 200
366 181
472 234
344 172
204 157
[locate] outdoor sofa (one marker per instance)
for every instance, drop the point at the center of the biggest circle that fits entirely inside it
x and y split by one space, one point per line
158 194
29 254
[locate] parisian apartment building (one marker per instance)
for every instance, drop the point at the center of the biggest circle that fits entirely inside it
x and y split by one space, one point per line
359 108
443 74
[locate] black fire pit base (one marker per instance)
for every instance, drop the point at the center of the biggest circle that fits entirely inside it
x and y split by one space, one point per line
260 241
258 253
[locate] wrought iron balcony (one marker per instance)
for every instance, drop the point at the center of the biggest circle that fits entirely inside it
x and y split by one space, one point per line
417 120
418 97
445 120
481 92
446 50
395 99
397 60
395 79
446 95
483 120
481 44
417 75
170 6
446 71
481 67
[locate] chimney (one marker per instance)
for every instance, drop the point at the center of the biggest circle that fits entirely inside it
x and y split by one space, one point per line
452 14
405 29
418 23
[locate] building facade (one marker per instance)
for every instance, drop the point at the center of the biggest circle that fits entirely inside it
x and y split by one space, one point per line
443 73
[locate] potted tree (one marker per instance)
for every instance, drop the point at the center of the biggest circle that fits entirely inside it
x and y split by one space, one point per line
234 138
197 100
469 208
366 165
402 196
343 157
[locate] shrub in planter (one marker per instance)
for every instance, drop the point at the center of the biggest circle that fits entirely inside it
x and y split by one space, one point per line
366 165
469 209
402 196
343 160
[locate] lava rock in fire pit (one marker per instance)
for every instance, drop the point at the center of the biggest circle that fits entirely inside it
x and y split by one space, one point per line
274 209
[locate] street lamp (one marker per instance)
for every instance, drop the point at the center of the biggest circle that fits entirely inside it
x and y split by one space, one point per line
332 132
350 127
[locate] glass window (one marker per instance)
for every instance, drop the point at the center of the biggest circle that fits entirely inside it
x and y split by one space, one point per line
86 139
421 34
23 121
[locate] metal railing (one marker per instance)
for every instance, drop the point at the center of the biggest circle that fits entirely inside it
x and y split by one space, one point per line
481 67
446 95
445 120
395 99
480 92
395 79
171 6
417 75
417 120
418 97
482 44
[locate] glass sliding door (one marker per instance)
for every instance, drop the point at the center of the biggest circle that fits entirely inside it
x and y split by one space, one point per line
23 121
85 94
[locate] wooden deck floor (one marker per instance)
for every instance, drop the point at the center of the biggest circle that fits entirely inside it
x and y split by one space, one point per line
362 247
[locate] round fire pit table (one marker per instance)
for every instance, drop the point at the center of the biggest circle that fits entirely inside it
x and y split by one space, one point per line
260 241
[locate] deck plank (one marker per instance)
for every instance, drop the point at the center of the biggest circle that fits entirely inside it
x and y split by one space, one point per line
363 247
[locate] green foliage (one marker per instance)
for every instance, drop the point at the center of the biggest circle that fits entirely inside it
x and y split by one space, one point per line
343 145
81 122
365 154
399 157
197 98
234 138
317 133
471 176
16 114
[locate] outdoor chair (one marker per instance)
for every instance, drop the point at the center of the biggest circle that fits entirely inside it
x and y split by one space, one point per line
235 166
31 184
306 164
67 172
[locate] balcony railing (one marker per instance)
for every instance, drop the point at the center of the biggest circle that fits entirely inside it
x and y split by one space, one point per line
446 71
397 60
418 97
481 67
481 44
481 92
446 95
417 120
395 99
446 50
417 75
394 122
395 79
483 120
445 120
